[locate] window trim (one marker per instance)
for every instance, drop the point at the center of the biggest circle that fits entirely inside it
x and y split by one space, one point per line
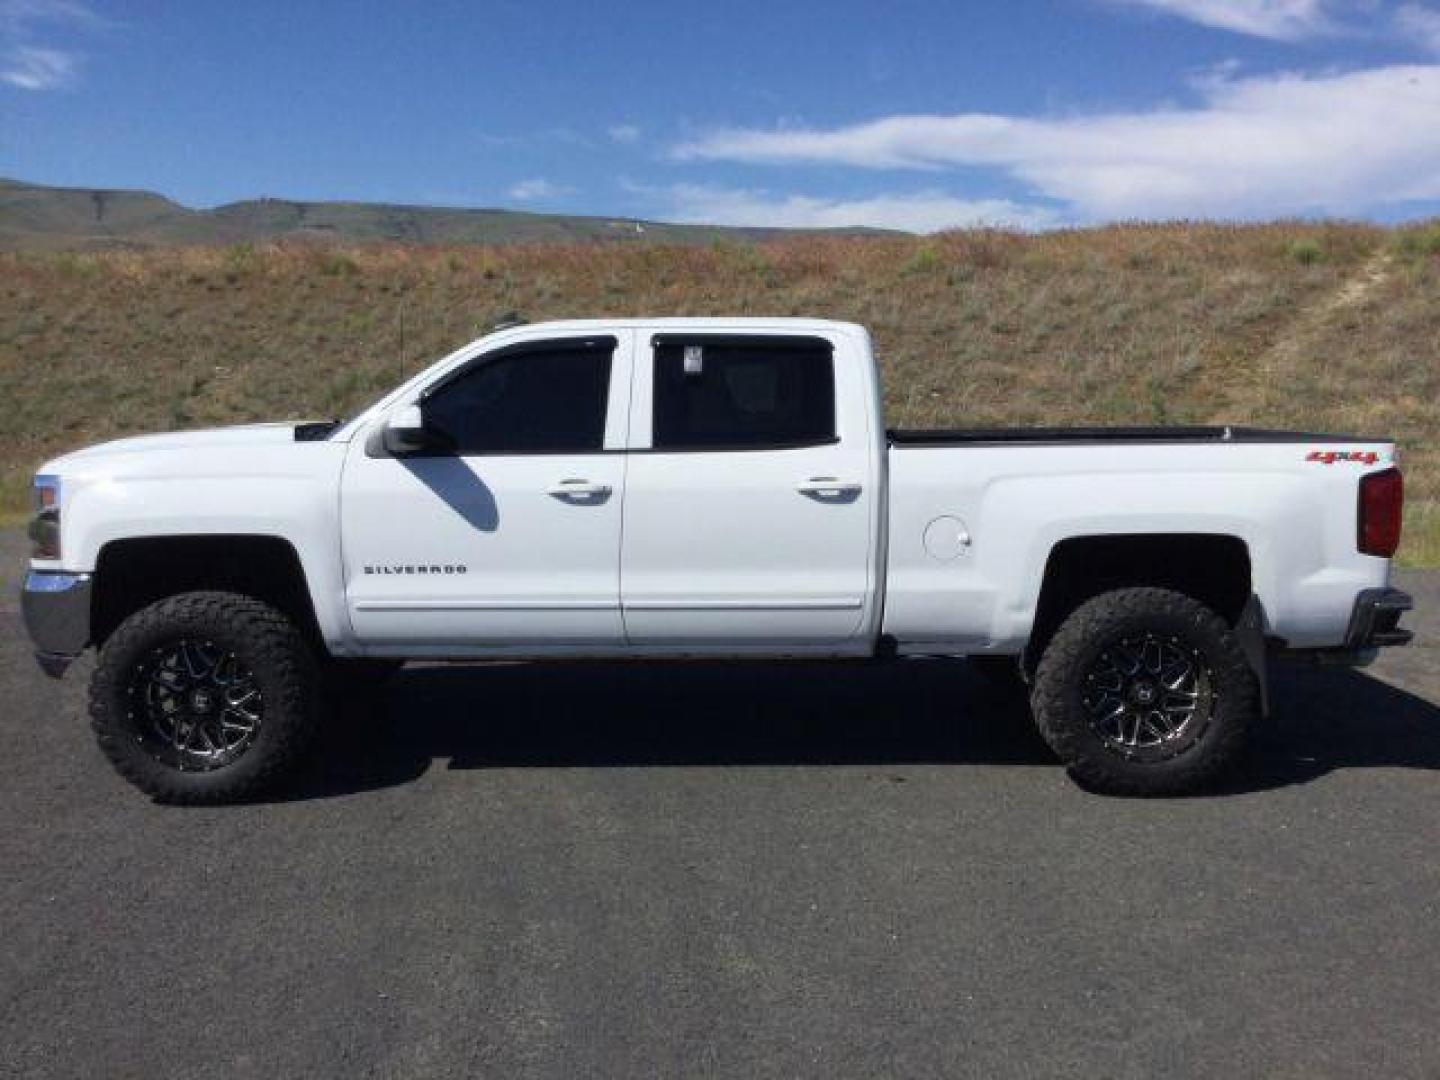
740 341
748 448
793 342
519 348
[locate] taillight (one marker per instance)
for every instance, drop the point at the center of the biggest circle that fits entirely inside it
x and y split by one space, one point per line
1382 496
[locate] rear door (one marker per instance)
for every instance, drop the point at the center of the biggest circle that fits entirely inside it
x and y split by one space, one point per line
751 495
510 538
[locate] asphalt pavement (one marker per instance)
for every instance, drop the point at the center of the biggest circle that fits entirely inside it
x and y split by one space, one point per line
739 870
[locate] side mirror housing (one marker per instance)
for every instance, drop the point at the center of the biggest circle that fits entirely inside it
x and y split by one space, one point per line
405 431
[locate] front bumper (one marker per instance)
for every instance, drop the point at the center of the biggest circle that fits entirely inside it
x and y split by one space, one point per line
56 606
1375 621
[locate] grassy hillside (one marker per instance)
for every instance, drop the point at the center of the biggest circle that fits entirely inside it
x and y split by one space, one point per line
36 218
1314 326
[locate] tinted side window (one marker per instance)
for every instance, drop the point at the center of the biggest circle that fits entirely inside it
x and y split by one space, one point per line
539 401
780 394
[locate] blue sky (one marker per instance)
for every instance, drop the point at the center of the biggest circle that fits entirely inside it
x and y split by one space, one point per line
913 115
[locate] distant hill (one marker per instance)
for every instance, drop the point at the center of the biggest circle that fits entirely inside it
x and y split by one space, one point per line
38 218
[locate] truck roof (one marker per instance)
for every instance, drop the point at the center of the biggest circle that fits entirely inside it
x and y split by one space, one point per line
686 322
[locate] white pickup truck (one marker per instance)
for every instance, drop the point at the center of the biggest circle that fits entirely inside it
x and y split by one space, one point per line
700 488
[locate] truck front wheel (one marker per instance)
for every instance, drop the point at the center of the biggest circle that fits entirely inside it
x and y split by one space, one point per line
1145 692
204 697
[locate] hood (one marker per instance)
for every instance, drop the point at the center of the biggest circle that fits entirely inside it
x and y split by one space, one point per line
241 435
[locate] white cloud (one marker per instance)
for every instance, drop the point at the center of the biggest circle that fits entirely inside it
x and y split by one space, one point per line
1277 144
26 63
1419 24
532 190
624 133
30 67
1279 20
19 14
921 212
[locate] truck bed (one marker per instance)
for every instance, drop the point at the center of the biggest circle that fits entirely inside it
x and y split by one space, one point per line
1066 435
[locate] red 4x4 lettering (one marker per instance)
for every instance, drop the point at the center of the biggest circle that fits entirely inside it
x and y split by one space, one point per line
1329 457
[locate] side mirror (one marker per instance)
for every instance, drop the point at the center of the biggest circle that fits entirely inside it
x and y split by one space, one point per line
405 431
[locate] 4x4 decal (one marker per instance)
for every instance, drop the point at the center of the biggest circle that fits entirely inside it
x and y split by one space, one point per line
1330 457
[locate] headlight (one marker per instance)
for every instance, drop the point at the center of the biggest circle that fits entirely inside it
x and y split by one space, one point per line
45 525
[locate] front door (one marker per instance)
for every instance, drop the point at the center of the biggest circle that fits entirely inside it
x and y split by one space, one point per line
507 531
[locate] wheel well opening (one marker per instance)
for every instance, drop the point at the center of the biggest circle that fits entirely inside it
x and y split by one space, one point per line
131 574
1210 568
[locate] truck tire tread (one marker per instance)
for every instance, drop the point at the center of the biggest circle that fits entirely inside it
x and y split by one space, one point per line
271 644
1058 715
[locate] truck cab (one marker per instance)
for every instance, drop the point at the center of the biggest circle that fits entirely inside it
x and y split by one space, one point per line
705 487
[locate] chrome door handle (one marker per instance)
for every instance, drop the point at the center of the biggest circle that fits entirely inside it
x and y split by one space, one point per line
579 489
828 487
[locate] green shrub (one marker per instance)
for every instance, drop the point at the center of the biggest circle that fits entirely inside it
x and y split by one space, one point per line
926 259
239 257
338 264
1421 241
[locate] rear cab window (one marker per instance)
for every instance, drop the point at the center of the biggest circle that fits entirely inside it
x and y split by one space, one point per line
738 393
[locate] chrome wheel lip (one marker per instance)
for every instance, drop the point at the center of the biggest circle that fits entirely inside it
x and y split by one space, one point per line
1148 695
195 705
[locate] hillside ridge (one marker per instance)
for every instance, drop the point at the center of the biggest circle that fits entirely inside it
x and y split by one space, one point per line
36 217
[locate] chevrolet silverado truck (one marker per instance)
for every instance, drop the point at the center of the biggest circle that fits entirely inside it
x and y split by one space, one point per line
700 488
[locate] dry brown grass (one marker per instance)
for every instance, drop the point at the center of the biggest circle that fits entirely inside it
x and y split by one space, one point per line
1329 326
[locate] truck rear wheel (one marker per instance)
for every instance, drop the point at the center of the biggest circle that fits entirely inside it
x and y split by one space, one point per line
1145 692
204 697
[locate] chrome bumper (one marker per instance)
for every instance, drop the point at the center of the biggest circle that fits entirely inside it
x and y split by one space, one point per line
56 606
